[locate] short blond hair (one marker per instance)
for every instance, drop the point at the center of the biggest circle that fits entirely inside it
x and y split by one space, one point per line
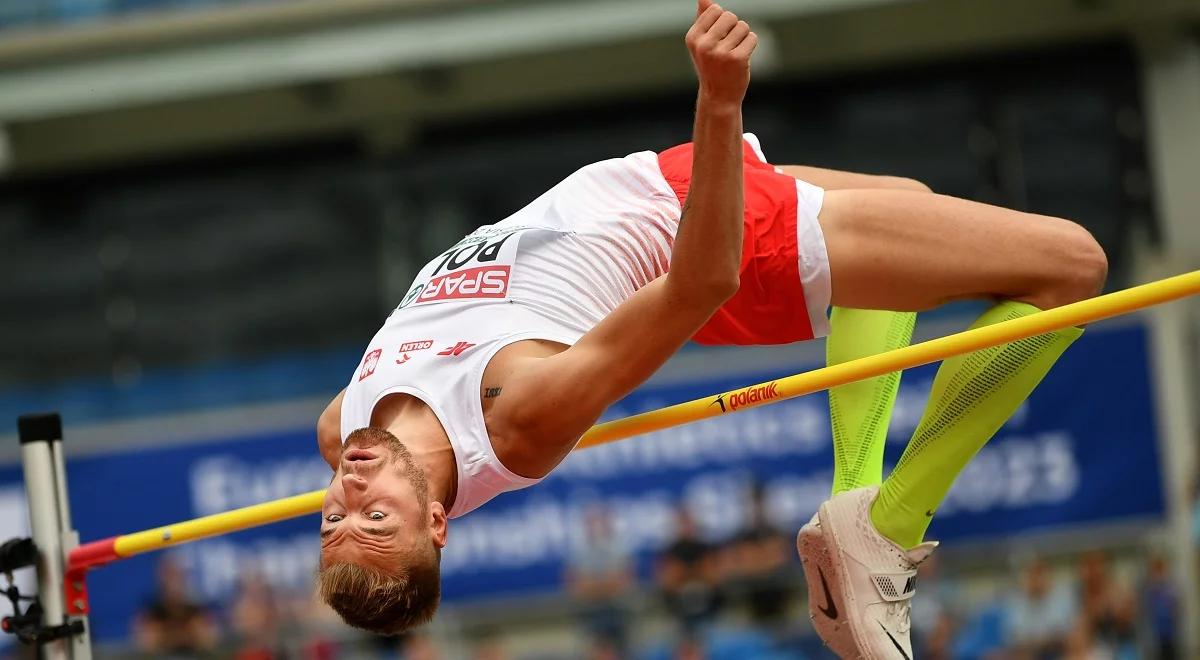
381 602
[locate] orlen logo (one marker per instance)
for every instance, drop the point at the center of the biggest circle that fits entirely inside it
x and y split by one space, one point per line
416 345
479 282
747 396
406 347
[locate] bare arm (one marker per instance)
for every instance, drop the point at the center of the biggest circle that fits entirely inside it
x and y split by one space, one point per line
550 402
708 246
329 431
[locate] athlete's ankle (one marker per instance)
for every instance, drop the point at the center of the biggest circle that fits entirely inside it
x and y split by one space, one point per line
848 483
890 524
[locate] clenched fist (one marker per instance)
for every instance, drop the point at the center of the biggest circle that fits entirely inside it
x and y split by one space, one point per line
721 46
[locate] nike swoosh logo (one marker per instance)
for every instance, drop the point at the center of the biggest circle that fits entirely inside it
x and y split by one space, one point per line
894 642
830 610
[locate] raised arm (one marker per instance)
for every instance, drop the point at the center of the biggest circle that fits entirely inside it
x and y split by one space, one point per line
569 391
708 246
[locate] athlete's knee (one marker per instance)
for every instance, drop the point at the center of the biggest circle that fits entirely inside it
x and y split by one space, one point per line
1081 267
1090 264
905 183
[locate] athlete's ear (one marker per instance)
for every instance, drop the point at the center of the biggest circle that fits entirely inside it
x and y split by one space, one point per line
439 523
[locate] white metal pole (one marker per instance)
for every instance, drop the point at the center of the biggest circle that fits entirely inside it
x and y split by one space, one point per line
41 491
81 644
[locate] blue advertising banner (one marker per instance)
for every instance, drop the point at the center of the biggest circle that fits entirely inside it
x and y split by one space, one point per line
1083 449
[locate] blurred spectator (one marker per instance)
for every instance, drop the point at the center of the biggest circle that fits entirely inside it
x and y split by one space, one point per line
756 565
689 648
1196 514
932 623
1160 600
982 634
1081 645
1196 522
1109 610
602 649
687 577
172 624
419 646
488 647
255 620
600 578
1040 617
313 626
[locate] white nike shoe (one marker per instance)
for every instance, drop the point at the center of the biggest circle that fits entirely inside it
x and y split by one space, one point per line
860 584
825 607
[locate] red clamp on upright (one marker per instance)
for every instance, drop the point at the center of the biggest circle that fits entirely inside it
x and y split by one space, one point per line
79 562
75 592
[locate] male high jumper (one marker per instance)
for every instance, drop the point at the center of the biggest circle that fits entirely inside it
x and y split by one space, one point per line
510 345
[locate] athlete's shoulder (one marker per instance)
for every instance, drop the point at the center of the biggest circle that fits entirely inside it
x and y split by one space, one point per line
329 431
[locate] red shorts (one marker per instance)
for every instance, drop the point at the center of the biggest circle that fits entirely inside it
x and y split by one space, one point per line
785 270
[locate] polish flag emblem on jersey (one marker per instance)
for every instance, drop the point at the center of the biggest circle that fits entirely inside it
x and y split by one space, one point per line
369 363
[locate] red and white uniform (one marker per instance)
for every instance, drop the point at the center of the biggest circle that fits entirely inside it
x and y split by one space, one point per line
557 267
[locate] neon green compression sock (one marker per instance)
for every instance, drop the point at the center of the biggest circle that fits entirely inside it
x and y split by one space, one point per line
972 396
859 412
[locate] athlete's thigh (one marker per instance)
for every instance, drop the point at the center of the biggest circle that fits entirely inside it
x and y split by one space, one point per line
906 250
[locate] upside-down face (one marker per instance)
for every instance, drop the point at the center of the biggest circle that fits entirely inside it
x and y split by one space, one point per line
377 505
381 537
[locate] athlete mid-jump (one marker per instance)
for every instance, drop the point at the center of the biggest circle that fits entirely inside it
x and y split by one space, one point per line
510 345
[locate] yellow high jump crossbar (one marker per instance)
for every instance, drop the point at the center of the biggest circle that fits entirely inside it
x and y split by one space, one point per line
1079 313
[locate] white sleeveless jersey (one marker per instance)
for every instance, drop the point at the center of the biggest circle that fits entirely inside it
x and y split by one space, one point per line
550 271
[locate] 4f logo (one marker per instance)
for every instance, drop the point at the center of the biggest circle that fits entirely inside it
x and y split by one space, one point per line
456 349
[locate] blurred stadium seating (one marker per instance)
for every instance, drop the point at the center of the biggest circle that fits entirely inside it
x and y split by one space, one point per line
44 13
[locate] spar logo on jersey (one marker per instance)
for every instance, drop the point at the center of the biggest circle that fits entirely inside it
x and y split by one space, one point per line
410 346
369 363
746 397
478 267
479 282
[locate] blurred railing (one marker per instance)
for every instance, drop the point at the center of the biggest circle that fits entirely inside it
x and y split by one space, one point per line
16 14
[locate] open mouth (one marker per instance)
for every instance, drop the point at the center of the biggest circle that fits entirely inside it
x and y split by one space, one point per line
359 455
